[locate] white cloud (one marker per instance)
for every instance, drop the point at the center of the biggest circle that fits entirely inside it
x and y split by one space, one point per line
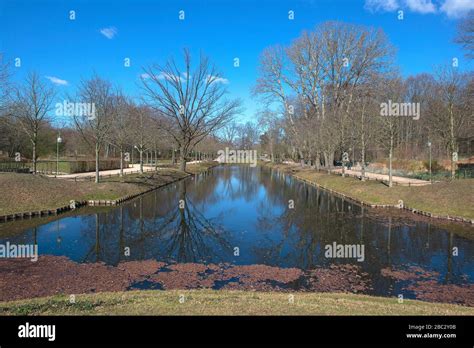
417 6
57 81
160 76
185 75
169 77
109 33
452 8
421 6
381 5
222 80
457 8
218 79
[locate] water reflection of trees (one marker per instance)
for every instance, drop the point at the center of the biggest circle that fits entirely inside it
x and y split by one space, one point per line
320 218
187 235
154 226
315 220
240 182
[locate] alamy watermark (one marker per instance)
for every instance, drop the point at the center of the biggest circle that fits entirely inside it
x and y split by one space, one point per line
349 251
400 109
67 108
238 156
37 331
26 251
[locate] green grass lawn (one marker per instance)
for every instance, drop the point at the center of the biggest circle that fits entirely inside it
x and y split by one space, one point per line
27 192
220 302
454 198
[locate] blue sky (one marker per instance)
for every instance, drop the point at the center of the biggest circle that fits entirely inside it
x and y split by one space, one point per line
64 50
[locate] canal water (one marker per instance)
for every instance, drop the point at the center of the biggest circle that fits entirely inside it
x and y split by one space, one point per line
246 216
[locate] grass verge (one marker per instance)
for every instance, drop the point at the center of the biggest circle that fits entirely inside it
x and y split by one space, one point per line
454 198
26 192
220 302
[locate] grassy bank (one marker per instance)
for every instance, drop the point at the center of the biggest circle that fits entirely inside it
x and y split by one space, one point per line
26 192
455 198
219 302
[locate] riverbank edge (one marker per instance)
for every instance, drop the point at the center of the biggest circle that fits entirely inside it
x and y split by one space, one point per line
225 302
95 203
400 205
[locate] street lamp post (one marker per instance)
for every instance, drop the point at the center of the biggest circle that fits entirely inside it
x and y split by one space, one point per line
58 141
429 146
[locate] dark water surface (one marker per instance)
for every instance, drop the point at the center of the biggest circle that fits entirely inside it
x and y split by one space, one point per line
248 208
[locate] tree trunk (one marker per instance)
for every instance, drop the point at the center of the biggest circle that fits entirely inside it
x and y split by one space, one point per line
362 176
141 161
34 156
318 161
182 159
331 159
97 151
453 168
390 155
121 162
362 155
343 165
452 143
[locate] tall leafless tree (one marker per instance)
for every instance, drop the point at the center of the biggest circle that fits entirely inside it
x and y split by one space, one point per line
315 79
269 123
391 89
32 102
450 111
142 130
465 35
229 133
193 99
95 128
4 85
121 130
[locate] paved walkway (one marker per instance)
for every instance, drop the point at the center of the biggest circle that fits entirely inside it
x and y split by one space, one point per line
135 168
384 177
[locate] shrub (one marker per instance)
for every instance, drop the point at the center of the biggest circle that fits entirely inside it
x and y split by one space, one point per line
435 166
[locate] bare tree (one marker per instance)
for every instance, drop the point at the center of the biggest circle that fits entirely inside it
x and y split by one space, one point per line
6 128
449 108
194 100
229 133
142 130
465 35
270 124
4 85
95 128
392 89
32 102
121 129
315 80
247 135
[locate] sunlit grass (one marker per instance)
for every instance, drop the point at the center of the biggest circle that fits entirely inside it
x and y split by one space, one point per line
27 192
221 302
453 198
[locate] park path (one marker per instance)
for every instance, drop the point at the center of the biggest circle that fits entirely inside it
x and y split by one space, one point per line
384 177
135 168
